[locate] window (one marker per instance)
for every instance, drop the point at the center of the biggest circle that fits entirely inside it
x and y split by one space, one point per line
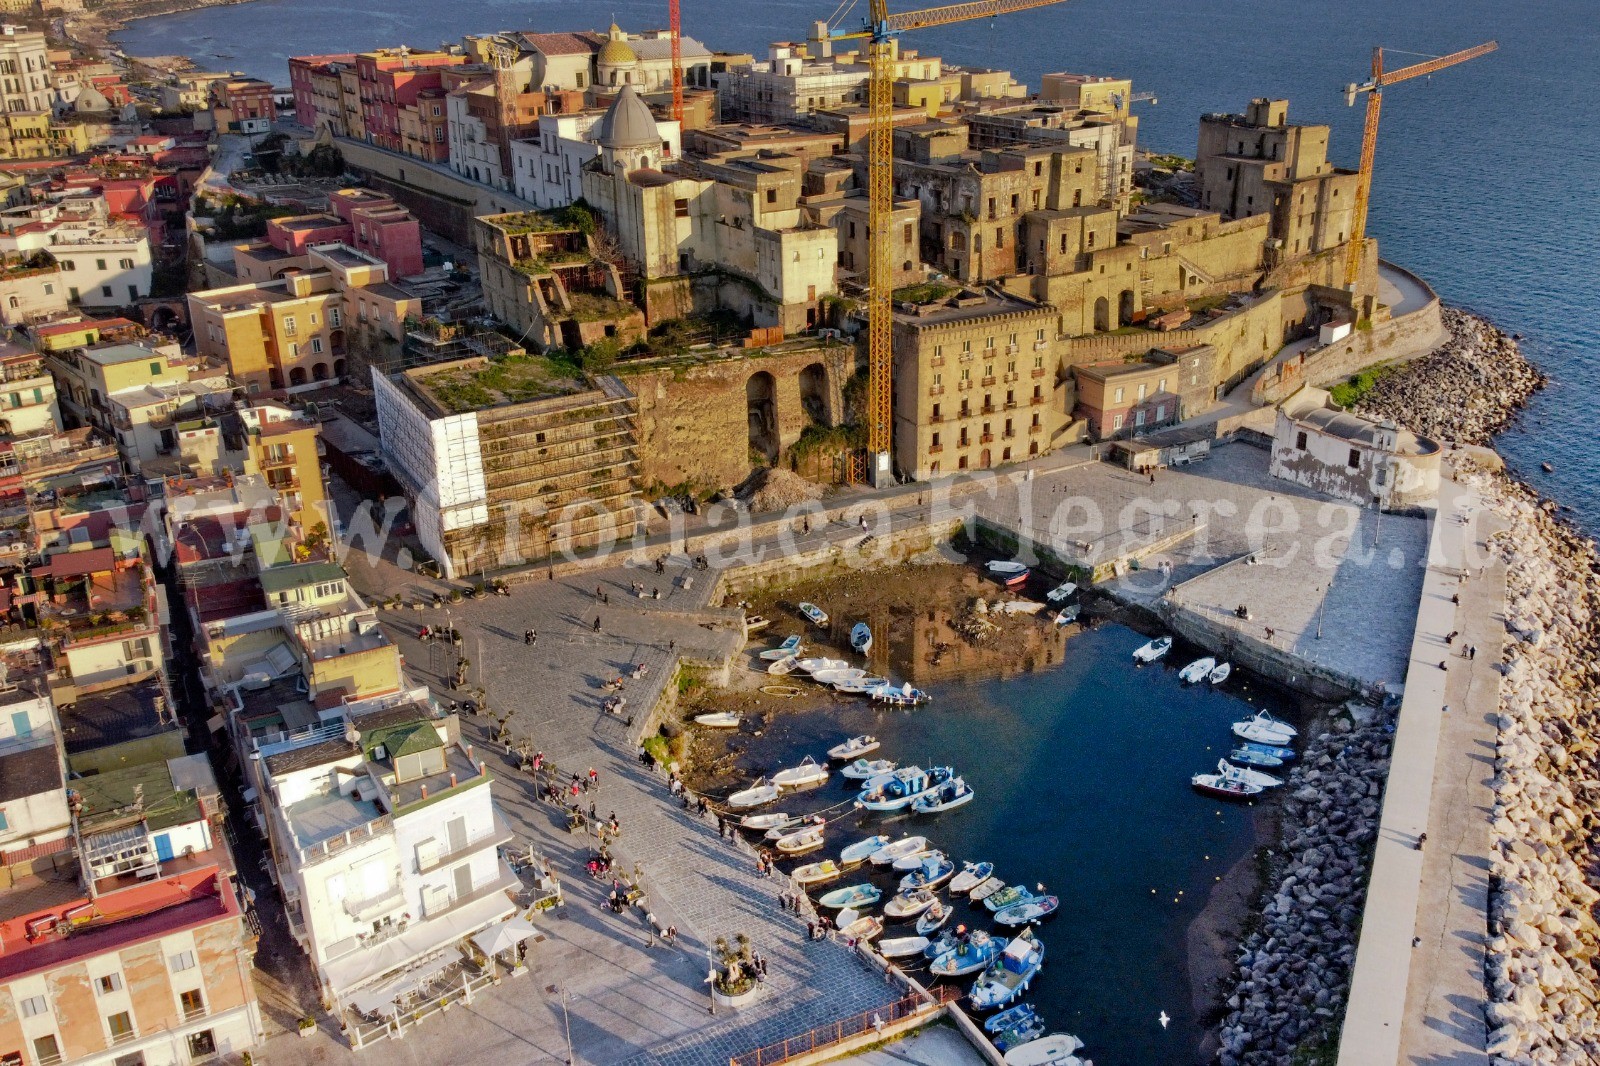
183 960
1300 441
333 316
121 1026
111 982
155 370
99 264
68 264
202 1044
49 288
288 325
193 1004
45 1049
105 290
316 345
1355 459
1116 422
772 196
34 1006
125 264
1117 397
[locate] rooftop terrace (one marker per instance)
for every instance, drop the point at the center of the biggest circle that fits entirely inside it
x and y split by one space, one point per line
478 383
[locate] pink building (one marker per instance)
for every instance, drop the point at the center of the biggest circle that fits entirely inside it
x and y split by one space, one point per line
381 228
297 234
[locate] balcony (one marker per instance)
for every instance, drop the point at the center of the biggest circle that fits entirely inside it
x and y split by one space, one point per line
986 438
988 381
935 390
937 360
498 834
191 1013
1040 346
963 386
963 443
988 353
1035 401
391 898
1011 405
1011 349
986 409
1011 376
936 418
935 449
1038 372
1035 429
966 357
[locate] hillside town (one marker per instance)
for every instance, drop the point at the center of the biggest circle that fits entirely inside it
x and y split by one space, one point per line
300 379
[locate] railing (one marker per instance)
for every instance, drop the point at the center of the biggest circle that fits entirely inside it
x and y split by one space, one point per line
826 1036
989 380
1038 371
498 834
1035 401
935 390
389 899
191 1013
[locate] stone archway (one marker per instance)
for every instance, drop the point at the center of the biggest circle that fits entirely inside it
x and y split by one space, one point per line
1125 307
761 412
319 372
338 368
1102 315
297 376
814 398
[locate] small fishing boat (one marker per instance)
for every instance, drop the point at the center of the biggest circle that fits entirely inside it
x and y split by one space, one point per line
812 665
1006 568
1062 592
814 873
802 841
785 827
947 798
1265 729
1067 615
860 928
861 638
1007 897
1249 756
971 876
763 822
907 863
1057 1049
784 666
814 614
862 895
1245 773
1152 650
976 954
789 646
855 747
1022 1012
901 946
755 795
1008 977
1031 911
1197 671
1015 581
1018 1035
934 918
1224 786
909 904
902 788
1281 751
861 769
891 853
755 623
809 772
934 872
861 686
904 696
843 675
862 850
718 720
1220 674
985 889
947 942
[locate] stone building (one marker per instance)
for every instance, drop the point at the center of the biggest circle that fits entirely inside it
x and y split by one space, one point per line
976 384
1320 445
547 168
1125 399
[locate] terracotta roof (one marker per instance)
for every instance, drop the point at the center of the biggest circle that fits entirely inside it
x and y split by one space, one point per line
76 564
564 44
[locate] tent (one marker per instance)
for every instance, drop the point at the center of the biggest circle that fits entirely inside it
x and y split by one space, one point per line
505 936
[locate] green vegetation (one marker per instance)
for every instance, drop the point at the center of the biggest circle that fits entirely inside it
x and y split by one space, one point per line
506 379
575 216
676 336
235 219
827 440
1349 393
1170 162
926 292
854 395
594 307
1319 1049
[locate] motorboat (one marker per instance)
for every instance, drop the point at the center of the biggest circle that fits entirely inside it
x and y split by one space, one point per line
985 889
862 686
844 675
1007 897
1281 751
862 895
907 863
1006 568
861 769
814 873
854 748
862 850
947 941
947 798
861 927
889 854
755 795
1015 581
789 646
1220 674
1062 592
784 666
812 665
1008 977
1068 614
903 787
1276 725
1057 1049
1030 911
861 638
1009 1017
1197 671
1152 650
1019 1035
763 822
1245 773
787 826
1224 786
909 904
934 918
809 772
1264 729
718 720
901 946
801 841
971 876
755 623
814 614
979 950
904 696
1245 755
935 871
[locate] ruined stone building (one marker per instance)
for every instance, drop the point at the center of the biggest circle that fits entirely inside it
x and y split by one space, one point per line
1351 457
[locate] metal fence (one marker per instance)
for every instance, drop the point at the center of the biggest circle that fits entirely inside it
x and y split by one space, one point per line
838 1032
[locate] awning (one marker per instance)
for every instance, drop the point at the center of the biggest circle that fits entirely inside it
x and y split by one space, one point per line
381 1000
505 936
432 935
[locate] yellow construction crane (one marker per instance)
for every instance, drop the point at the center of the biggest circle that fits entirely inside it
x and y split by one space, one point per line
879 33
1381 80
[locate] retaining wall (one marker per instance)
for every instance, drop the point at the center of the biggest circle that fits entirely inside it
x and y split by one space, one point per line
441 199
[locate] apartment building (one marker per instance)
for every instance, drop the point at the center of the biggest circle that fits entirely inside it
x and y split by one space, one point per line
388 80
244 105
318 91
26 83
1124 399
27 396
546 168
90 376
367 221
284 450
105 261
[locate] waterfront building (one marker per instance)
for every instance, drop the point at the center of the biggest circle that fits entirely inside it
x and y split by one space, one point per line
26 83
318 91
91 376
1348 456
389 80
644 61
559 62
799 79
192 91
244 105
547 167
1124 399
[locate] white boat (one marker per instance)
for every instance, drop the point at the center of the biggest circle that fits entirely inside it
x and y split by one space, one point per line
718 720
790 646
1224 786
935 871
814 614
1009 976
984 889
909 904
902 788
754 796
861 769
861 686
1249 774
1057 1049
861 638
971 876
1220 674
812 665
865 928
901 946
1067 615
1197 671
1005 568
974 955
914 861
904 696
783 666
852 896
891 853
947 797
855 747
843 675
814 873
802 841
1150 651
1265 723
784 828
809 772
862 850
934 917
1061 592
763 822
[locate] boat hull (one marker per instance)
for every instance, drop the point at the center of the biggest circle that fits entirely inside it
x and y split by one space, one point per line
970 877
853 896
1213 785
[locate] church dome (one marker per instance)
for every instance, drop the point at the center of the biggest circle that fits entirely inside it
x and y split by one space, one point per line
628 123
615 52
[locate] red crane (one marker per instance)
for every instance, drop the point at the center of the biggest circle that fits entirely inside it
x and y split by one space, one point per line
677 61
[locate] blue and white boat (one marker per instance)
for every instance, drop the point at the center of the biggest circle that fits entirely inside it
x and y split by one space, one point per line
1248 756
1007 897
861 638
814 614
934 871
904 696
1022 1012
934 918
1282 752
1008 977
1032 910
862 850
862 769
903 787
862 895
789 646
971 876
976 954
946 797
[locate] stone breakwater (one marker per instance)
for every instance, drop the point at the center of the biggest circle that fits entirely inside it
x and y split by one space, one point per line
1465 391
1293 973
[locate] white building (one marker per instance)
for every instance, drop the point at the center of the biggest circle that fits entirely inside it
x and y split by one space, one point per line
104 262
1320 445
473 153
645 60
26 81
385 840
34 820
27 397
546 170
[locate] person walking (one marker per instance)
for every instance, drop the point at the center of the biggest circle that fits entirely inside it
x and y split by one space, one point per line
529 637
597 623
594 778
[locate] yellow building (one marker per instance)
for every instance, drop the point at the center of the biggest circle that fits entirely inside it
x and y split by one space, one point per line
283 450
88 377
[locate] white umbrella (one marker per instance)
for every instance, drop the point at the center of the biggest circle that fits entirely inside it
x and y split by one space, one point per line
504 936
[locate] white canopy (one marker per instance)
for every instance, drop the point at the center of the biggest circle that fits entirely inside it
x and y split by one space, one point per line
504 936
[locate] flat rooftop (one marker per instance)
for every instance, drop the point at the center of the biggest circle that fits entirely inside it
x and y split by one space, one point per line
319 818
100 719
29 772
116 354
474 384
